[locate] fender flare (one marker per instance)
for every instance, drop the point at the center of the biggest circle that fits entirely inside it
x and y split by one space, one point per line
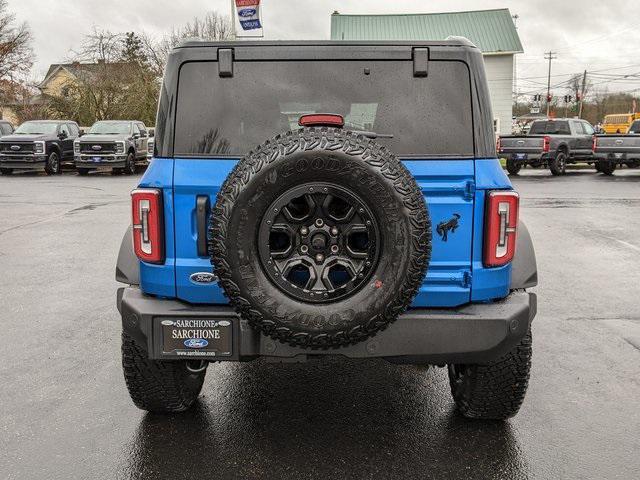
128 265
524 270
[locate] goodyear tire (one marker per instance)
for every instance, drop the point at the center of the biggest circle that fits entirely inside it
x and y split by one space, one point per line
159 386
343 238
493 391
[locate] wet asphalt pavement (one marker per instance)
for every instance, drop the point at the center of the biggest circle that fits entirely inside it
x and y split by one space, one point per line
65 412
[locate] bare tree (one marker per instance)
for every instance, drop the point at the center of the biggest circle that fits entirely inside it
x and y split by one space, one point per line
213 26
99 46
16 55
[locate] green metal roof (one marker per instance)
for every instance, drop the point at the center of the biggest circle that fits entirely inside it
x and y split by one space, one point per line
492 31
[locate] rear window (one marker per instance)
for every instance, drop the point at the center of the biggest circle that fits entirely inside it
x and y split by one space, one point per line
428 116
550 128
635 127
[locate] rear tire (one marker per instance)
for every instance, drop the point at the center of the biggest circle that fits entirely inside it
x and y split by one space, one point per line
558 164
633 164
607 167
158 386
494 391
513 167
6 171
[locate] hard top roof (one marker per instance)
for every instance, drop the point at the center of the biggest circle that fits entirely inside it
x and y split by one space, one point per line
449 42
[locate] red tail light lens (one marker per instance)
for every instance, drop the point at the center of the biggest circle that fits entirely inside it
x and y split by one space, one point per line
321 120
501 222
546 144
148 228
595 143
498 145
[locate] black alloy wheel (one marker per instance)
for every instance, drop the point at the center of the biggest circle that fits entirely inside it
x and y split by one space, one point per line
319 242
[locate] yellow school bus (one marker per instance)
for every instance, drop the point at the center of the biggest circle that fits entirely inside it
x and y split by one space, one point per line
619 122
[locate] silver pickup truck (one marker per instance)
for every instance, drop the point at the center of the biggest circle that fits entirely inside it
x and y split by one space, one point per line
551 142
119 145
614 150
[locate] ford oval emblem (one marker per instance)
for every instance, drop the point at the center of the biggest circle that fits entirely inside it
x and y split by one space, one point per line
15 148
195 343
247 12
96 147
203 278
224 323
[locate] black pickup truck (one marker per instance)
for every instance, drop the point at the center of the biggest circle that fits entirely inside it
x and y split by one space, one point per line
39 145
614 150
550 142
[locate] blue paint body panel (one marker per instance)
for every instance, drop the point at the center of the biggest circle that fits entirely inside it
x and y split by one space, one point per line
456 275
160 280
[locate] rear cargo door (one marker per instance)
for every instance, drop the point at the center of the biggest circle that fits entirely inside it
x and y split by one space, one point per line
224 109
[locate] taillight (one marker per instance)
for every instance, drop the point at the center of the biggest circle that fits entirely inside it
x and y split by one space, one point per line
321 120
595 143
498 145
546 144
501 222
148 229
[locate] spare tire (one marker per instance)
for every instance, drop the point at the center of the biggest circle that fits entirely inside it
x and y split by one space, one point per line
320 237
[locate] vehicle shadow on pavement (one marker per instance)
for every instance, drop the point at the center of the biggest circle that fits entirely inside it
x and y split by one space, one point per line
333 418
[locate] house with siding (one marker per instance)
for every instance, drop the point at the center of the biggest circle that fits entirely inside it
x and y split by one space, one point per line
492 31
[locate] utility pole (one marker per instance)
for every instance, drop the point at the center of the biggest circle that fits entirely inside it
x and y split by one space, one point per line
234 34
549 56
582 90
515 69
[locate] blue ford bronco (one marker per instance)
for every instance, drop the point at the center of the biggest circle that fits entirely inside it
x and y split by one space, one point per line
326 198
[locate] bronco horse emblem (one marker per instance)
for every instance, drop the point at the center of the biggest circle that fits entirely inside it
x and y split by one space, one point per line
444 228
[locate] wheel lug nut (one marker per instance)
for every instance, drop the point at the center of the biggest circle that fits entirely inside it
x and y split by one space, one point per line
334 232
334 248
319 258
304 231
319 222
304 249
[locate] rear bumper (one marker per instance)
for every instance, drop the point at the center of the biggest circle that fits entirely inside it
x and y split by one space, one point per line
475 333
618 157
529 156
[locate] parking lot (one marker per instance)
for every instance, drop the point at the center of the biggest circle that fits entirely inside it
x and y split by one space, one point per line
66 412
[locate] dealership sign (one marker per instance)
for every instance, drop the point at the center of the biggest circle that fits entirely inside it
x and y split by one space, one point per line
249 14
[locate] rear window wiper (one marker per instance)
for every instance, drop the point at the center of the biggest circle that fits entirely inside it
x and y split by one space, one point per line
374 134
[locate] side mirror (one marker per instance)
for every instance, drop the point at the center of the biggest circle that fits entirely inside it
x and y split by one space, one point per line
81 132
62 135
136 136
151 133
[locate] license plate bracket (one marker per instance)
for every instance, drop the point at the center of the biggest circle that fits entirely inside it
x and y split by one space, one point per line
196 337
521 156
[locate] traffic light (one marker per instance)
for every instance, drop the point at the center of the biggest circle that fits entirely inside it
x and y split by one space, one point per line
549 97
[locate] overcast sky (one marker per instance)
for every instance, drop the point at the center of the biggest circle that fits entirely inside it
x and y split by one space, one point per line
601 36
